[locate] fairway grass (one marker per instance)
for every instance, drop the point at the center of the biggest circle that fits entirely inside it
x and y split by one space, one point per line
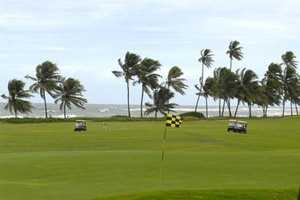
202 161
210 195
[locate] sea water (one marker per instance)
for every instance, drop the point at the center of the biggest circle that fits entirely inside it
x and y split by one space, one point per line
107 110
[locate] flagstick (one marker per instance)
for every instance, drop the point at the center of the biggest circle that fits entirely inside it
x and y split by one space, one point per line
162 155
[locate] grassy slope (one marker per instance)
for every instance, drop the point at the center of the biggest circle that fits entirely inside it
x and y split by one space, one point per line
49 161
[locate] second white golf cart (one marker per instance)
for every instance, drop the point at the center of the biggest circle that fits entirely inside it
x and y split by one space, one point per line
237 126
80 125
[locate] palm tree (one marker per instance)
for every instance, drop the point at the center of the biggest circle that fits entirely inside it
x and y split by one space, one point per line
290 83
161 103
206 60
174 81
228 87
15 98
209 89
46 79
289 78
234 52
147 77
272 85
289 59
218 91
131 61
69 92
261 98
247 87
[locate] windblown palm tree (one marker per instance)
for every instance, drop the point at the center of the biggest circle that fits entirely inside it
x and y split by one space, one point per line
147 77
272 86
247 85
290 82
206 60
69 92
261 98
161 103
131 61
228 87
218 91
234 52
289 78
289 59
46 79
16 104
209 89
174 81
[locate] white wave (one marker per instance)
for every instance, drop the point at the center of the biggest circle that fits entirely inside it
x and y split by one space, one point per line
104 110
10 116
62 116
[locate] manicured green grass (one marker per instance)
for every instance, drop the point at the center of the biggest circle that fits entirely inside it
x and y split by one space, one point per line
210 194
202 161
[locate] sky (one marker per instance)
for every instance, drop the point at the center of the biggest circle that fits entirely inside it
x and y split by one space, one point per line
86 38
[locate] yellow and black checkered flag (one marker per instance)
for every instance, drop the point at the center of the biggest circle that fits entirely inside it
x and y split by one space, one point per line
173 120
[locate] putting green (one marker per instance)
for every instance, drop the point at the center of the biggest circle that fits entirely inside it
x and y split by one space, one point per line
50 161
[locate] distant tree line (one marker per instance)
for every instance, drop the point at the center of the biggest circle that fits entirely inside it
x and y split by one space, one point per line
47 80
280 84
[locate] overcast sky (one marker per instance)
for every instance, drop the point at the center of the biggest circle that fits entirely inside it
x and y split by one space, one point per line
85 38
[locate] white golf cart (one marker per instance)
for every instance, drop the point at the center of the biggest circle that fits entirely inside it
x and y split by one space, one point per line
80 125
237 126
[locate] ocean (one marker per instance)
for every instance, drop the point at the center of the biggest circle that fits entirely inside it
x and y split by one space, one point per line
107 110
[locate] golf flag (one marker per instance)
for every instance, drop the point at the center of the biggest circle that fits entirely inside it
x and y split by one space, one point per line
173 120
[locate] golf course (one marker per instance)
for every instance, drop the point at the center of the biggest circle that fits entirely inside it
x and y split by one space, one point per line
202 161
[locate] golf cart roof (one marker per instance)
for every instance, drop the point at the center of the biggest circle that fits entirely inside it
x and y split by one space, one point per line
242 122
80 120
232 120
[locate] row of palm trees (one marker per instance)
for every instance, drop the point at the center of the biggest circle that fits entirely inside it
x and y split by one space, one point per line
144 70
280 84
46 81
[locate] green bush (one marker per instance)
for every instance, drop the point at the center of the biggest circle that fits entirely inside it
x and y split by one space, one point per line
190 115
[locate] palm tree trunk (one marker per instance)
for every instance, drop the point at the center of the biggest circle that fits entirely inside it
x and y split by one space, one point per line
45 104
266 111
230 63
223 108
229 110
142 98
128 105
283 104
16 112
201 86
291 107
219 107
237 107
197 102
202 75
296 108
249 106
156 114
206 107
65 113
